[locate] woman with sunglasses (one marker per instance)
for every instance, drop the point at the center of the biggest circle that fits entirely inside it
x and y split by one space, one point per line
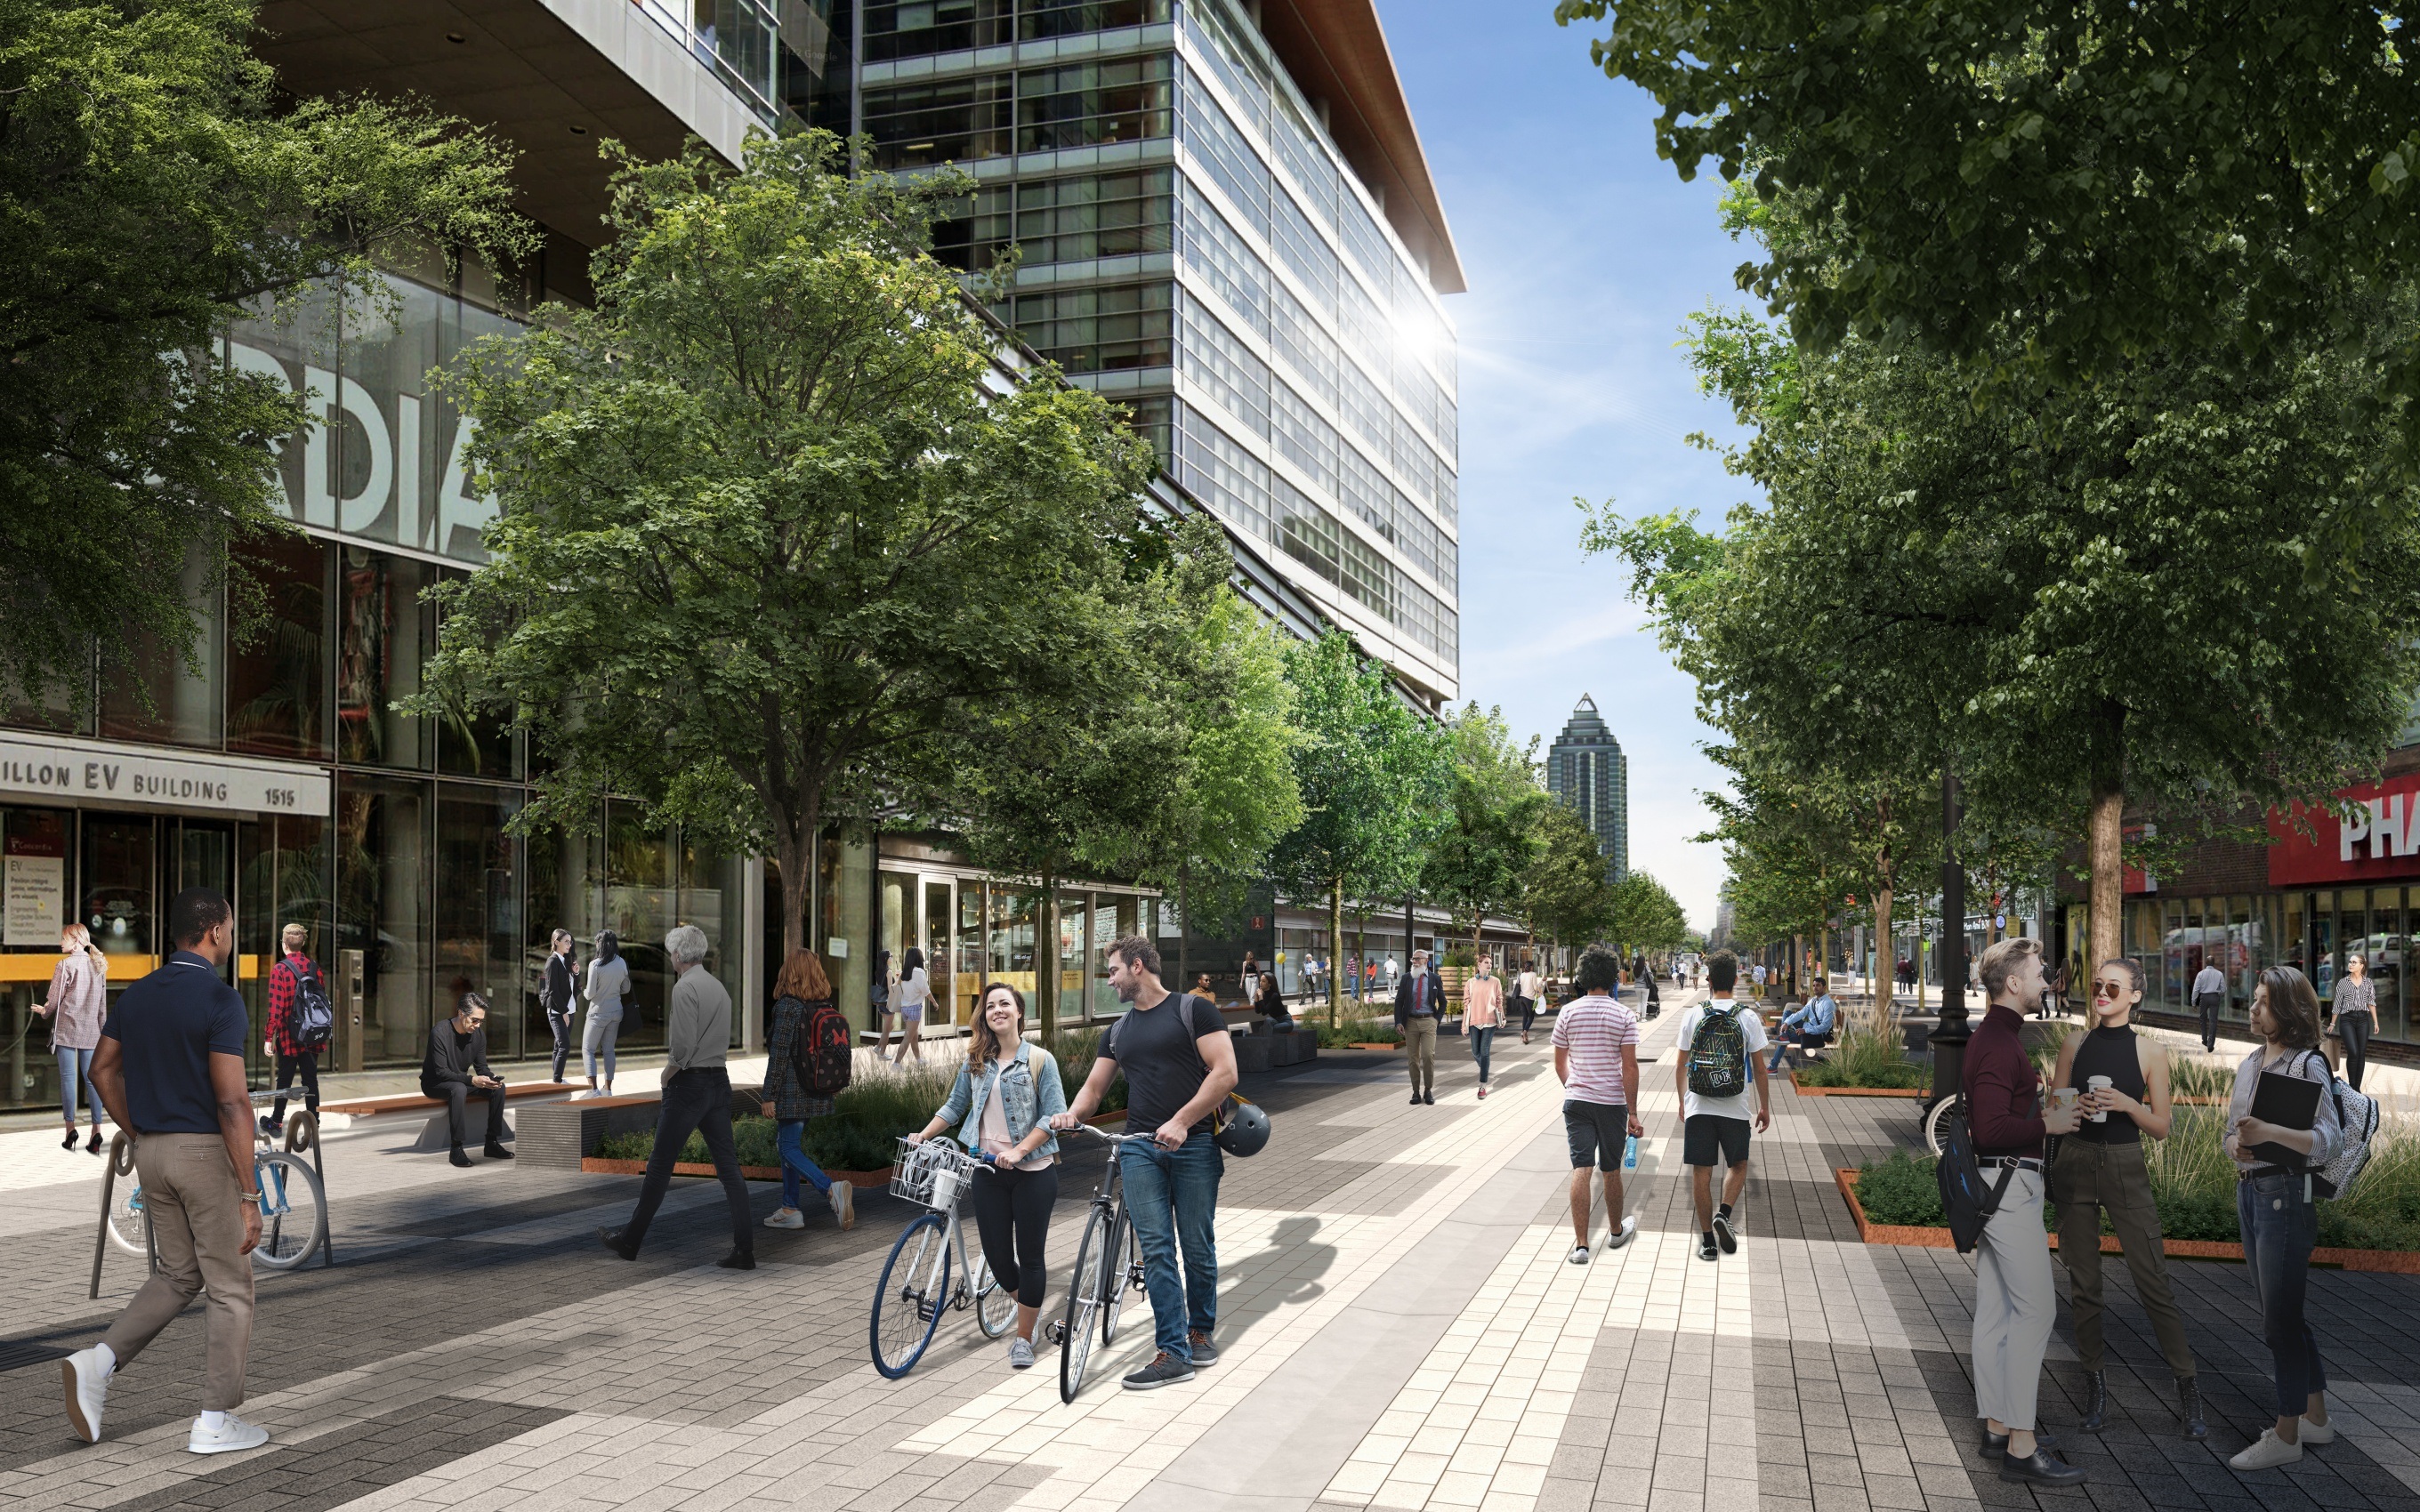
2122 1079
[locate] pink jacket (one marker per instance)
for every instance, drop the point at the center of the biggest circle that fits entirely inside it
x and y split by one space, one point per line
79 1000
1482 1002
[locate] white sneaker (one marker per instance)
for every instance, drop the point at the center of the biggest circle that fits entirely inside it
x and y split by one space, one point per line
785 1218
2268 1453
87 1386
233 1433
1579 1254
844 1203
1623 1235
2310 1432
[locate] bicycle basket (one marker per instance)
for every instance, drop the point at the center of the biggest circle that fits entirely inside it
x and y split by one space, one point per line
920 1169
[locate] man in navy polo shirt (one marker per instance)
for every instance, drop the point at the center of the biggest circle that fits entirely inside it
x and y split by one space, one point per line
170 1070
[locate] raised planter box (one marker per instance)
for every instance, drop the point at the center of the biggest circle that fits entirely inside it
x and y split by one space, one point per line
1803 1091
1359 1044
598 1166
2396 1262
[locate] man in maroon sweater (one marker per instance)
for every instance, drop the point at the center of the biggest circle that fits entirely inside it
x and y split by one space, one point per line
2015 1300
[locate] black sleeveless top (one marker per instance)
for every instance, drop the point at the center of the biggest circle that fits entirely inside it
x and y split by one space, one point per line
2109 1053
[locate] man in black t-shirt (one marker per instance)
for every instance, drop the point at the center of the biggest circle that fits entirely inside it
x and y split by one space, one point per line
1179 1066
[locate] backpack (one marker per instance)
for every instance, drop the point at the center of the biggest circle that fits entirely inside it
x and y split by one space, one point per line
2357 1112
312 1022
1965 1201
1719 1056
822 1057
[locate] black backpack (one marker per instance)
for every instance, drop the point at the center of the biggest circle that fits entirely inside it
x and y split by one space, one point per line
821 1057
312 1023
1719 1053
1965 1201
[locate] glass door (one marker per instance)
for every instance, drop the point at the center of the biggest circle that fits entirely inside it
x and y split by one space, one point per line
939 933
203 857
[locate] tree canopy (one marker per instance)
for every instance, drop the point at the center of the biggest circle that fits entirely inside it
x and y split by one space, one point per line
1480 860
156 189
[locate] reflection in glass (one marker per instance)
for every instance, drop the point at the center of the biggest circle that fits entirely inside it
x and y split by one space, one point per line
278 671
158 695
117 881
383 885
282 878
956 998
477 910
385 634
639 910
478 742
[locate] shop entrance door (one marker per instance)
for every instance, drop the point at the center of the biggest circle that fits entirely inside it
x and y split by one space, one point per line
201 854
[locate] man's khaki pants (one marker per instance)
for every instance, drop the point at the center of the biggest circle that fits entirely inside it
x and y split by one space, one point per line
1419 1045
197 1222
2015 1302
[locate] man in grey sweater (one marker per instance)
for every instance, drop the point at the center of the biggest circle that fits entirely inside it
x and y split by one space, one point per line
697 1096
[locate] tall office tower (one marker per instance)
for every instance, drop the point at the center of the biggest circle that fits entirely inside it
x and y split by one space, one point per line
1586 768
1227 222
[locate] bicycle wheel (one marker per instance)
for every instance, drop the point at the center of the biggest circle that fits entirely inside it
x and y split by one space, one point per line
994 1304
293 1211
915 1289
1121 1266
1083 1304
1933 1122
126 1221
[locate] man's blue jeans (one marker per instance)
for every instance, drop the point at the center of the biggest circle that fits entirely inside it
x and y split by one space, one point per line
1172 1197
795 1162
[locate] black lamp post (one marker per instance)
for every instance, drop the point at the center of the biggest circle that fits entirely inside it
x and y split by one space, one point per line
1949 1037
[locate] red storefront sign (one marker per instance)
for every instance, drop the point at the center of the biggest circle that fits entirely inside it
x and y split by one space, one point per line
2380 841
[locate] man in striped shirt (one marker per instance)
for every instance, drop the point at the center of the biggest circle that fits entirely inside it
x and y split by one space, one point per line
1596 1059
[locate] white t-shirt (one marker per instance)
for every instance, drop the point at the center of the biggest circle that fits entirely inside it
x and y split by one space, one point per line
1752 1026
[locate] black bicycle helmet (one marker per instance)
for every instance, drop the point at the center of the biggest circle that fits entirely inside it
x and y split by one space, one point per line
1246 1130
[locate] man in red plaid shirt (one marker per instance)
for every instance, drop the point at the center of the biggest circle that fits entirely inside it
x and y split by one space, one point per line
292 1056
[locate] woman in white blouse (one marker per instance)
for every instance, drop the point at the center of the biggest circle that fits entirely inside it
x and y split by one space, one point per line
908 999
608 982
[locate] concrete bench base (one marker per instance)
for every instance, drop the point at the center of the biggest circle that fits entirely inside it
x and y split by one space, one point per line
435 1135
1285 1047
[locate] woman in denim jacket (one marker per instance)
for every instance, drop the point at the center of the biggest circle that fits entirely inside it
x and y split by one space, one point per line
2272 1204
1005 1094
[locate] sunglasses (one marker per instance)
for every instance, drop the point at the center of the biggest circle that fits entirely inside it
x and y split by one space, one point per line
2110 989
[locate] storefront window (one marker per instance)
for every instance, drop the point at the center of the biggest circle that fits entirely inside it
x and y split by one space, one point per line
476 742
2323 944
971 964
118 857
477 935
385 633
281 879
2293 940
639 903
159 694
1074 957
278 671
566 888
712 893
2387 912
382 908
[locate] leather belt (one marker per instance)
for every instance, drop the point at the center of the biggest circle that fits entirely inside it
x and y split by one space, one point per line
2022 1163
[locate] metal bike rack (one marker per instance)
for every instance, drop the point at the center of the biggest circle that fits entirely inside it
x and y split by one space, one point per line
300 1133
121 1163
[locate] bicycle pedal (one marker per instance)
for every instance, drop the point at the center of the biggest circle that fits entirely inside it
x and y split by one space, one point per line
1056 1331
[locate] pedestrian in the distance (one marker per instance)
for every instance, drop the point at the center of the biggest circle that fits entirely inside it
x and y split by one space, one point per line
2356 1016
1007 1092
1525 999
2272 1207
1596 1059
2121 1079
2015 1299
800 992
1483 1014
1719 1044
558 996
284 1041
697 1100
2209 996
609 983
170 1067
1420 1004
79 1001
885 978
915 986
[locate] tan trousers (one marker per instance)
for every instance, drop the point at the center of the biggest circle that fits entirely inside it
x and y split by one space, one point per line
2088 1178
197 1222
1419 1053
2015 1302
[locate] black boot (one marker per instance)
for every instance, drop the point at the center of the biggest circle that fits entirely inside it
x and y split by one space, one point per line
2189 1408
2095 1401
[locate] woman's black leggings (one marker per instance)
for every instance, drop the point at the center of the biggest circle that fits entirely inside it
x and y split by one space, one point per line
2354 1028
1016 1205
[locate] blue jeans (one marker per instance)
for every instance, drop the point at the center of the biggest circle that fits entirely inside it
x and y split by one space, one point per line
75 1070
2279 1231
1482 1041
1172 1197
795 1162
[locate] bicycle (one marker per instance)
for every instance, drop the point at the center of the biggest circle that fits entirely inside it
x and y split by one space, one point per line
293 1203
1098 1286
915 1289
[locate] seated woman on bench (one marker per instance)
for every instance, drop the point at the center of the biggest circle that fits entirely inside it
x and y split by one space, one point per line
1271 1004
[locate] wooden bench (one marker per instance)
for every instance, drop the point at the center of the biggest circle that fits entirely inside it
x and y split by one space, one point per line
434 1135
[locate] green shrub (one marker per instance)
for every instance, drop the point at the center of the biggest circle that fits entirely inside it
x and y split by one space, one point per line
1862 1059
1901 1191
1350 1032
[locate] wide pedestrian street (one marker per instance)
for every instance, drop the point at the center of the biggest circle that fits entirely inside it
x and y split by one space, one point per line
1398 1324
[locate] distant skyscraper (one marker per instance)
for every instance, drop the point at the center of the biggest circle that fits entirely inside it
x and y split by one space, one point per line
1585 768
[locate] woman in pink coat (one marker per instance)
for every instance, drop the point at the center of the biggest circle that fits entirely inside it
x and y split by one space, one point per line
1482 1014
79 998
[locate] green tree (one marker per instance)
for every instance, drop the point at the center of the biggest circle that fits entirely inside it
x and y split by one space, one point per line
1646 916
2057 189
1568 898
1478 862
777 537
158 188
1375 784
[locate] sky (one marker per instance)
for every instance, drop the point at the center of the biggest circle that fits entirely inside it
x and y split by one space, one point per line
1584 252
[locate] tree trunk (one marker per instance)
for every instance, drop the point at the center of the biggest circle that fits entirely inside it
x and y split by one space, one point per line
2106 836
1046 960
1335 953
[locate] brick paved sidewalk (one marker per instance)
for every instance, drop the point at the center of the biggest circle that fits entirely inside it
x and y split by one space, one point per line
1398 1323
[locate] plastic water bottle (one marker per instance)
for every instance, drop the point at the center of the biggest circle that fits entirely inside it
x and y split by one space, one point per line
1630 1154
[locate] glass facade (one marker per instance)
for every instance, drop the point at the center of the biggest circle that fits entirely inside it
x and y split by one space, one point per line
2242 934
1195 245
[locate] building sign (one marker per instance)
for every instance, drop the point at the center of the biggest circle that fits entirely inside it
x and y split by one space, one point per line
2381 840
89 774
33 877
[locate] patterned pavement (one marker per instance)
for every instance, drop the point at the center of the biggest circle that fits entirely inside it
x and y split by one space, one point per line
1399 1329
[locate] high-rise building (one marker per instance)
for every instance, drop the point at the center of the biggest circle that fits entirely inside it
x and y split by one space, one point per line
1587 770
1226 222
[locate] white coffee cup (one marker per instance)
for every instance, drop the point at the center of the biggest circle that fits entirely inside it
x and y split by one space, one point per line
2098 1084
